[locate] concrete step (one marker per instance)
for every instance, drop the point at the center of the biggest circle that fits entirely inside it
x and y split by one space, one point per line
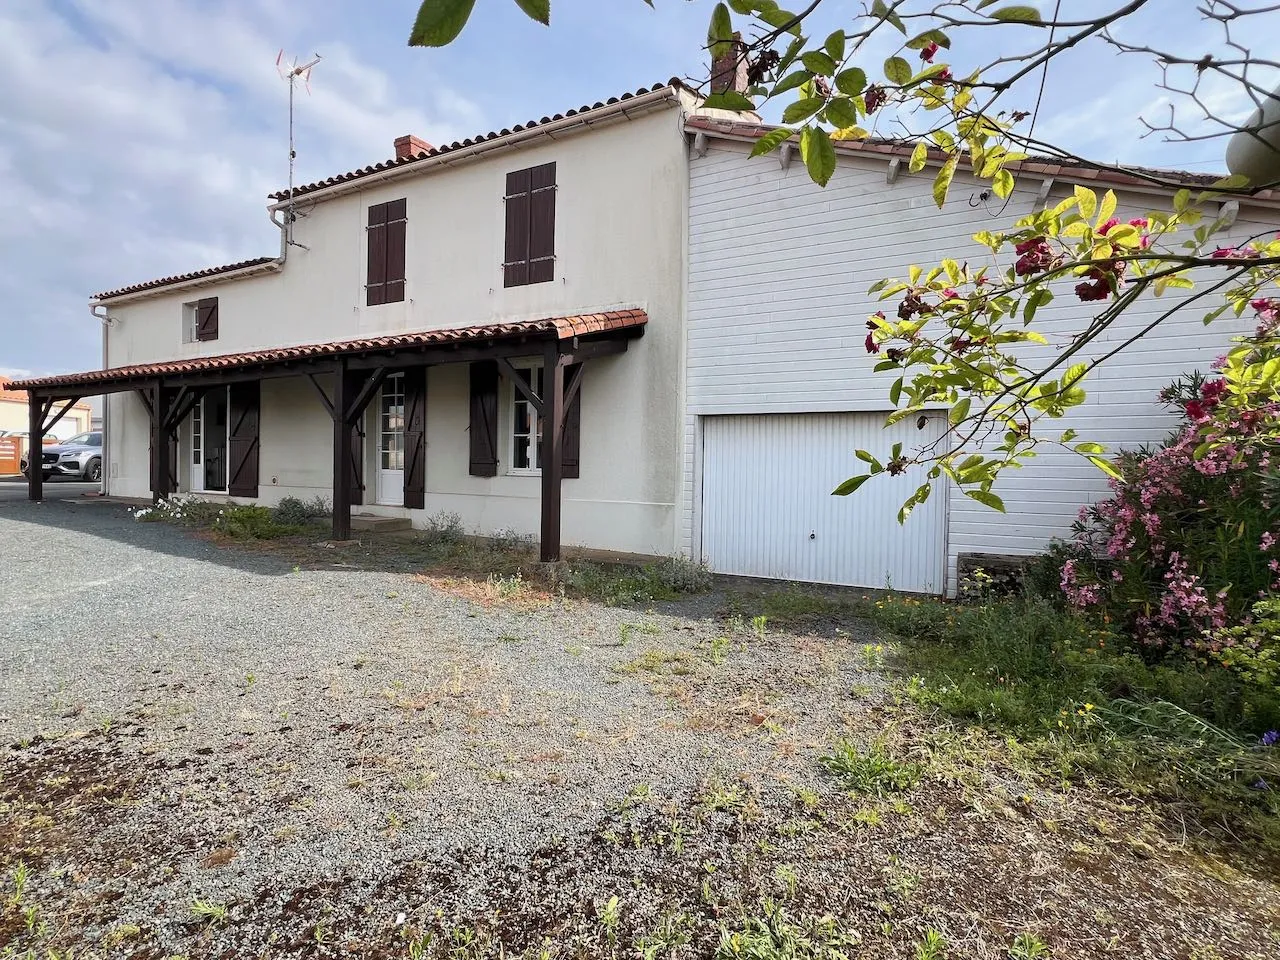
368 522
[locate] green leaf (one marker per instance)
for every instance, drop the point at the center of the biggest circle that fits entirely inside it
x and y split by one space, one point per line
851 82
818 62
1090 448
771 141
918 157
922 40
1019 13
728 100
850 485
1181 200
986 498
881 10
942 182
439 22
842 113
895 392
897 70
959 411
802 109
791 81
720 31
818 153
835 46
539 10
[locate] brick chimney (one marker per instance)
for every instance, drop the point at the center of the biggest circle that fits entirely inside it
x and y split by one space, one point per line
730 71
410 146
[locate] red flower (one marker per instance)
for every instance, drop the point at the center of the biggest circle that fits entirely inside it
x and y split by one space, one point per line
1211 392
1097 290
950 294
1034 256
871 345
1113 222
942 75
929 52
875 97
1196 410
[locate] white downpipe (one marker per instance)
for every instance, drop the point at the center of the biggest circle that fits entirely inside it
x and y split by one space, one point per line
106 320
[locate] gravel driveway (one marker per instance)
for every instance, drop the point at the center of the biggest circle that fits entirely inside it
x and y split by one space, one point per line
214 753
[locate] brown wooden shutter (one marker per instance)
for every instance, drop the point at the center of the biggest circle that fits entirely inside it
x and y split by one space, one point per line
396 225
376 281
484 419
542 224
572 441
207 319
516 258
242 458
415 437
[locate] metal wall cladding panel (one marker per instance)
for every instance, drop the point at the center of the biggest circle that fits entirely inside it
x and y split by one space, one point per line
768 511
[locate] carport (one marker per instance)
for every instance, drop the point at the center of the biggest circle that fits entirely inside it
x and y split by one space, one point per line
355 370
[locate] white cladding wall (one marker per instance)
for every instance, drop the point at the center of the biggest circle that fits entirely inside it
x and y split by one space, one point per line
778 276
620 242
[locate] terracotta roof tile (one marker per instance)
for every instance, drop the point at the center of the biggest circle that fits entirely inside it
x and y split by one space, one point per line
469 142
562 328
183 277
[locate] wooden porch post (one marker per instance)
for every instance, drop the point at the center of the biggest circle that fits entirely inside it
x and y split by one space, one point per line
35 447
552 451
341 455
159 443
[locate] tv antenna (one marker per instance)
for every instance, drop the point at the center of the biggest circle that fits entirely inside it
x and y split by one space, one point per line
293 72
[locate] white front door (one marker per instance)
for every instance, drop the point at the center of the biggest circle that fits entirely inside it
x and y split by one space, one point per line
390 490
767 508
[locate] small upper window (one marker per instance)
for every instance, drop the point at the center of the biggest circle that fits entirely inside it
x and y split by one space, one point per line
530 255
200 320
385 240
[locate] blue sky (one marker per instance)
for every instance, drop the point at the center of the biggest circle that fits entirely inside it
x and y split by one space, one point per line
139 138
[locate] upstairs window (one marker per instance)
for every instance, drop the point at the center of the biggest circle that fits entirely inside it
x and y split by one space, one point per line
531 226
385 237
200 320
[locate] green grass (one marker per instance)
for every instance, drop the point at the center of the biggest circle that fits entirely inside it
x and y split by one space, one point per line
872 770
1079 698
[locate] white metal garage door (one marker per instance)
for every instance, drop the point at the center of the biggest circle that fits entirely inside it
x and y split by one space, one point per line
767 509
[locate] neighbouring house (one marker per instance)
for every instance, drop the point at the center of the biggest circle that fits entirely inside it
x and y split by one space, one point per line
13 414
612 327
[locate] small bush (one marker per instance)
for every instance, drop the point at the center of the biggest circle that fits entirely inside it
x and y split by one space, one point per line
252 523
187 511
444 527
512 541
294 512
619 585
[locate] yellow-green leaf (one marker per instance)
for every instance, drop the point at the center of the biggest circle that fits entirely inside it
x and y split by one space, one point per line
942 182
851 82
1107 208
986 498
918 157
1087 200
1002 183
897 70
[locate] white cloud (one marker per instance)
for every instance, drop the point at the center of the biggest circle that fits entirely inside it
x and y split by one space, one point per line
141 139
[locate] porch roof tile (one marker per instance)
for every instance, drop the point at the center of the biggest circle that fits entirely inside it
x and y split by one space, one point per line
559 328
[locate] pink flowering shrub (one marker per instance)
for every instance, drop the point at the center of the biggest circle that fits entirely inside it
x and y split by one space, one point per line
1187 543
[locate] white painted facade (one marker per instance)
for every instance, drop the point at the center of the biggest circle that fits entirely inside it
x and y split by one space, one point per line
778 276
620 243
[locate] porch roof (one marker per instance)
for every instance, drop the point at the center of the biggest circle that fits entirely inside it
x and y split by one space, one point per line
431 346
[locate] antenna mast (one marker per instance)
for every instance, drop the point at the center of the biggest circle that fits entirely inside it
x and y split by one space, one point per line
292 72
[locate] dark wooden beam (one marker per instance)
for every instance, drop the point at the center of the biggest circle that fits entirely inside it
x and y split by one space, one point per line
145 397
159 442
61 413
324 397
367 390
581 352
35 448
571 391
341 459
185 402
508 371
552 451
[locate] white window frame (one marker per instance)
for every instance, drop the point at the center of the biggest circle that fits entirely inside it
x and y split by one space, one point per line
514 396
190 319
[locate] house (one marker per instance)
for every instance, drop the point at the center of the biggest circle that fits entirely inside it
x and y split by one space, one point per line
610 326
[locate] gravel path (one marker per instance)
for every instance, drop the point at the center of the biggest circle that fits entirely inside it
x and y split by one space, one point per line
316 727
214 753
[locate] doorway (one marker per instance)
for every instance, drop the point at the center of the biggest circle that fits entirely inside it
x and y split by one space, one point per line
390 481
209 442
